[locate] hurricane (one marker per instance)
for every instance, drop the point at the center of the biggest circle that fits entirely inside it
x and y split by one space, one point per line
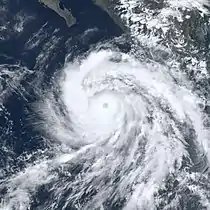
124 130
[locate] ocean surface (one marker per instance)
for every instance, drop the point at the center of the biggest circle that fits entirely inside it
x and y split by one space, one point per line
92 117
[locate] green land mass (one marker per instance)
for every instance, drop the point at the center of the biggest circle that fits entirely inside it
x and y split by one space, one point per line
64 13
107 5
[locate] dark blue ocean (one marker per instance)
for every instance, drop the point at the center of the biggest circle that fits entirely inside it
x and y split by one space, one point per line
22 138
18 137
37 51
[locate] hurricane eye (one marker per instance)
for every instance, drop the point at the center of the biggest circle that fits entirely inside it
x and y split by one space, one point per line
105 105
